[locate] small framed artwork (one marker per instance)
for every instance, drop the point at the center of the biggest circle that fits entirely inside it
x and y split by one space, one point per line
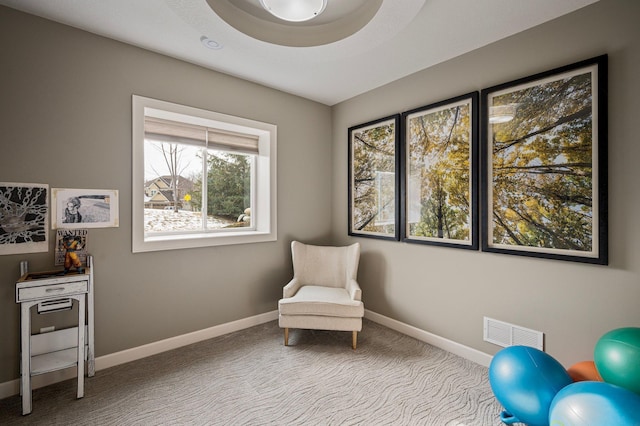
374 178
440 177
544 154
24 218
84 208
74 239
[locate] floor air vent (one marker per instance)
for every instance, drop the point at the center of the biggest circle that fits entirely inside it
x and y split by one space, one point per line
505 334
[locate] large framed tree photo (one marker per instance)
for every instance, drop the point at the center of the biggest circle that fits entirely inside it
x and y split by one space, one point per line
544 154
374 179
440 178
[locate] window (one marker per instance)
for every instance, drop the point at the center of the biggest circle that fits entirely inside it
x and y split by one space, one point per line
200 178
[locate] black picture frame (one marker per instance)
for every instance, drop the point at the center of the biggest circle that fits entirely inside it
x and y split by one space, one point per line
439 169
374 178
544 159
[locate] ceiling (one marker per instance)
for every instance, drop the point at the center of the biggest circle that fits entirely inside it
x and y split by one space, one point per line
354 46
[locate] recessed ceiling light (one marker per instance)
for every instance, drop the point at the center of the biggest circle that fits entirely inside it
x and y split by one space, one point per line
210 43
294 10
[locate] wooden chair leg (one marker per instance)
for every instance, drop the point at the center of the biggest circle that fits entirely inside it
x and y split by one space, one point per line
354 340
286 337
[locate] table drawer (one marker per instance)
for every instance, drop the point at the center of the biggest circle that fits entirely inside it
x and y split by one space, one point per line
52 290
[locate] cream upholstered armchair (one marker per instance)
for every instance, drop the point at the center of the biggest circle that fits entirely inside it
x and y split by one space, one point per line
324 293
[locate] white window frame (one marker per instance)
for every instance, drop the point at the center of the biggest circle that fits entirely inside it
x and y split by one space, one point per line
263 214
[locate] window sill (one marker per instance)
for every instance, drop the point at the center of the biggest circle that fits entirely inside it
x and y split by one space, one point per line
175 242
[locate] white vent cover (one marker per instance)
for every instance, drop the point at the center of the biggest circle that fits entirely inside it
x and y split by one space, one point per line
504 334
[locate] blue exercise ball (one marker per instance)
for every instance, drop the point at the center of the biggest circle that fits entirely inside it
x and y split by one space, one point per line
525 380
595 403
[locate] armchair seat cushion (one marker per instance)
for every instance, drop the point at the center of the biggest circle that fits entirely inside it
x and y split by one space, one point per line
319 300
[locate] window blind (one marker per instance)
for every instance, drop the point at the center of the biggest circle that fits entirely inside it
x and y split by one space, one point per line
162 130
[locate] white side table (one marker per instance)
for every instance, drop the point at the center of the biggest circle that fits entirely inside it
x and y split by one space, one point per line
45 288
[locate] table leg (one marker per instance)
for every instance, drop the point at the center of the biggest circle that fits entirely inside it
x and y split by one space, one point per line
91 354
25 359
81 323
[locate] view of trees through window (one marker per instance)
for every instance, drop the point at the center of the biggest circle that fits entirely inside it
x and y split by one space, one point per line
179 199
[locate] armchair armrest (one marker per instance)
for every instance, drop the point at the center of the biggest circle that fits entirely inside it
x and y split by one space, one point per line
291 289
354 290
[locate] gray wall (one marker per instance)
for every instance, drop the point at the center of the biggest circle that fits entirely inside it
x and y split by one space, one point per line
65 109
448 291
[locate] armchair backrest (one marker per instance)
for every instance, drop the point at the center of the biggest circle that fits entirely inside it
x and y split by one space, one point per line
325 265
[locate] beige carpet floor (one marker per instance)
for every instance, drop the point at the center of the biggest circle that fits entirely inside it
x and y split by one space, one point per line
250 378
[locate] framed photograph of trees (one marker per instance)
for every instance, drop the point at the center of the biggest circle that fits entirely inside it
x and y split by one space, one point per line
374 178
439 173
544 154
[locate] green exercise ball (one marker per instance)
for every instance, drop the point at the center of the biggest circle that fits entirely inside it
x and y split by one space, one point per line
617 358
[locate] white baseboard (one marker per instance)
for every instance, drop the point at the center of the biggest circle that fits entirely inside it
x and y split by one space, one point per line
12 387
154 348
424 336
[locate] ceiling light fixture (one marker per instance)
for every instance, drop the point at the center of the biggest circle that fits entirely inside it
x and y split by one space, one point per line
294 10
